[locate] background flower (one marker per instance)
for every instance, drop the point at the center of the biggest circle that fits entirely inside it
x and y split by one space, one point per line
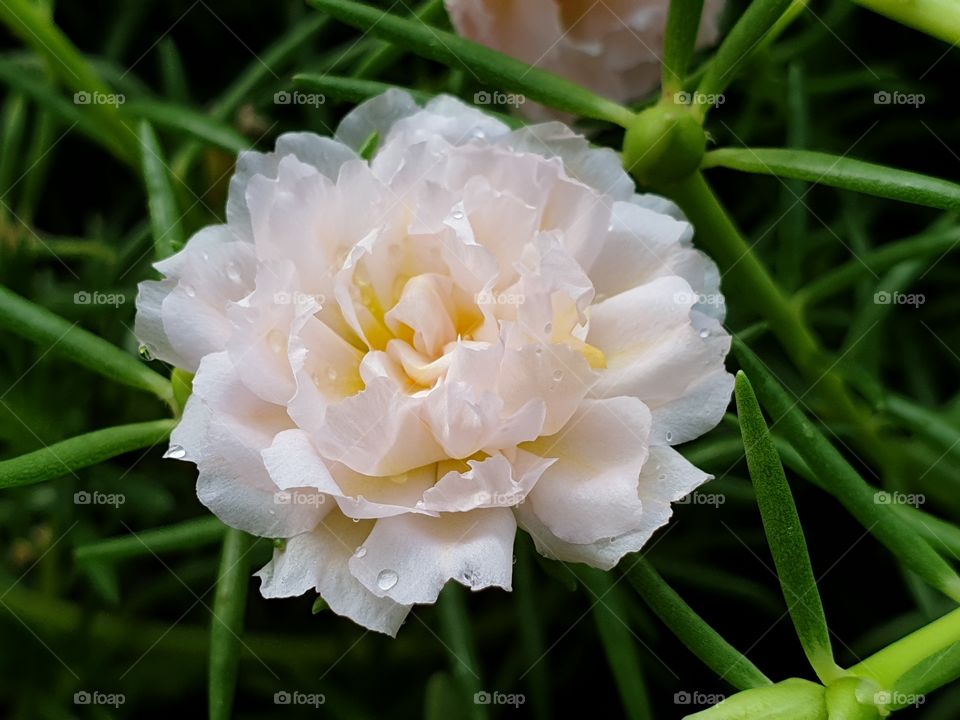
612 46
400 361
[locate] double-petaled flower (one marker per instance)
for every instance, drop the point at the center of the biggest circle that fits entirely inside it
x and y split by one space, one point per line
401 360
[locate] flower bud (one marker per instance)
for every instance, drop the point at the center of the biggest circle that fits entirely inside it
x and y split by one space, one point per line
665 144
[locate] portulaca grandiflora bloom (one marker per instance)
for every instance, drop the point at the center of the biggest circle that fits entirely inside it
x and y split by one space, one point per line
400 360
613 47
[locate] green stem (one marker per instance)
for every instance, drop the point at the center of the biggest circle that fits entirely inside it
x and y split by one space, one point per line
226 625
68 456
456 632
744 272
894 661
39 325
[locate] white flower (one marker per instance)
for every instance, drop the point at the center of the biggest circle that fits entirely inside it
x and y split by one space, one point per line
613 47
400 361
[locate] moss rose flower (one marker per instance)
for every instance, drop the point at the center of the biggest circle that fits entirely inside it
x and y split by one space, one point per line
399 361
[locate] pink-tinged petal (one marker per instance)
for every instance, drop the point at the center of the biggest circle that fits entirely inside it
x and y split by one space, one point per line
409 558
317 561
590 492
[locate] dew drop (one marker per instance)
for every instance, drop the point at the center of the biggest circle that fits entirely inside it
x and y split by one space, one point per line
458 214
387 579
420 503
188 289
331 374
704 333
548 328
663 477
557 375
175 453
669 436
146 352
539 350
233 272
360 552
355 519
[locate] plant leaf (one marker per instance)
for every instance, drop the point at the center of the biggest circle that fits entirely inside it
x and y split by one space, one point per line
164 215
784 534
840 172
68 456
486 65
186 535
743 38
880 519
193 124
701 639
39 325
608 609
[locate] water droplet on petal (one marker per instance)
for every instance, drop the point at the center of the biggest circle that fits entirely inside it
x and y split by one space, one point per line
548 328
175 452
331 374
188 289
387 579
539 350
146 352
704 333
557 375
355 519
458 214
669 436
233 272
420 503
360 552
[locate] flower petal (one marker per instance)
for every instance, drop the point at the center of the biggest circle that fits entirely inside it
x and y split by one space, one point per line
317 560
409 558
